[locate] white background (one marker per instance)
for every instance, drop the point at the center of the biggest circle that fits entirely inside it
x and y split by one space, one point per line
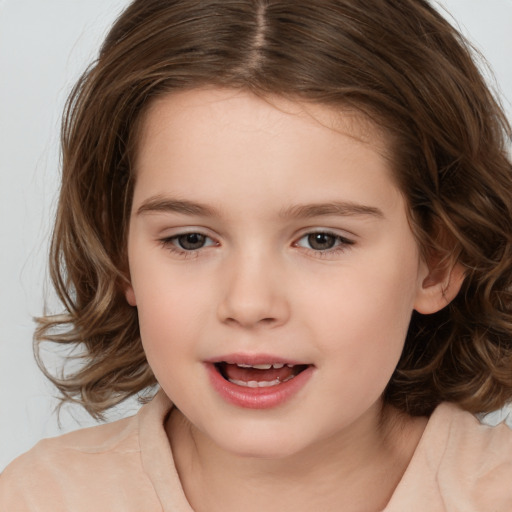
44 47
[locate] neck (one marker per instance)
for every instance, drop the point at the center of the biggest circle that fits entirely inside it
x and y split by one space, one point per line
360 468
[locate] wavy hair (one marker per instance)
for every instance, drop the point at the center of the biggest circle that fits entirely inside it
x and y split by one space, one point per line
398 62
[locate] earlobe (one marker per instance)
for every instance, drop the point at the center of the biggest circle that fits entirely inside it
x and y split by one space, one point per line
130 295
438 289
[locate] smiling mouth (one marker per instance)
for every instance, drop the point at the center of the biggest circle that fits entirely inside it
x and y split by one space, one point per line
259 375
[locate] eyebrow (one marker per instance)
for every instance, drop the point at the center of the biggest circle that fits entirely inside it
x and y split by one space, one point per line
162 204
343 208
158 204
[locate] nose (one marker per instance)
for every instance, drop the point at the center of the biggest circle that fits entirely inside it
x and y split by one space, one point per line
254 292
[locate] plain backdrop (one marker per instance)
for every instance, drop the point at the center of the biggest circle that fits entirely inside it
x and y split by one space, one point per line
44 47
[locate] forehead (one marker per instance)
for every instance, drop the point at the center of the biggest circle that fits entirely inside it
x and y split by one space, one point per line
192 108
213 143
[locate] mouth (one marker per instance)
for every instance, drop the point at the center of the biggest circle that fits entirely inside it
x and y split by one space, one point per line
258 381
262 375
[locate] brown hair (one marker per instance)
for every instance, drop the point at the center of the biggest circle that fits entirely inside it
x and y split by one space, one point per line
396 61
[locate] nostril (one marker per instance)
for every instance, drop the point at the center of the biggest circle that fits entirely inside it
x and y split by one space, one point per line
248 322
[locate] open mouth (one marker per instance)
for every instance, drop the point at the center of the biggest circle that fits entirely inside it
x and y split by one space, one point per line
259 375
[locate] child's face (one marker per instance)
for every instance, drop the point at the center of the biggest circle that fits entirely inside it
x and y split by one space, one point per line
260 235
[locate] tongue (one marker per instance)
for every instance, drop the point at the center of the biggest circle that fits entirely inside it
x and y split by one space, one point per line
234 372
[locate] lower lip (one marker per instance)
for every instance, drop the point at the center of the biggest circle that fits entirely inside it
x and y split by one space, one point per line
257 398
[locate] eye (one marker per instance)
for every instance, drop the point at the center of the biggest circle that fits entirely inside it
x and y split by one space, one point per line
323 241
187 242
191 241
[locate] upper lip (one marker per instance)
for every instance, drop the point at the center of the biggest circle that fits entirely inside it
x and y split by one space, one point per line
254 359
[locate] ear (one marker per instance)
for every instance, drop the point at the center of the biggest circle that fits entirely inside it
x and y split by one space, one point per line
438 288
130 295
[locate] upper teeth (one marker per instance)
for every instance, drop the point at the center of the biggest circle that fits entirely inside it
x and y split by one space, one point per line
266 366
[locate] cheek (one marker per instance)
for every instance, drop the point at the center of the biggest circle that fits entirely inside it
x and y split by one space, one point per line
365 300
172 324
166 314
362 320
175 311
364 346
166 332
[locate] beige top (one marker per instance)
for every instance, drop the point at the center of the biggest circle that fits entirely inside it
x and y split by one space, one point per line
127 466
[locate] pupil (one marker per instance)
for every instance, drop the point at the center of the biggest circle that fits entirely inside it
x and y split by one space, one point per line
321 241
191 241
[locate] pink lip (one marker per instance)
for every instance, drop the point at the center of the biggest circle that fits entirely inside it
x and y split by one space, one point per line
256 398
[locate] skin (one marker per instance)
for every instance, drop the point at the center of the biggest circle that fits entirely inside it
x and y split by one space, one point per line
257 285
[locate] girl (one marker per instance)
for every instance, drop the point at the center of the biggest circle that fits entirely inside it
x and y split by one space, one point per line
293 222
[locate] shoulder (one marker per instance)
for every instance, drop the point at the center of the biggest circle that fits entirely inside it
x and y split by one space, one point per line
460 464
477 456
466 439
77 471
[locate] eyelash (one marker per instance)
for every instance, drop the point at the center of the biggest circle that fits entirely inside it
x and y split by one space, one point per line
171 244
341 244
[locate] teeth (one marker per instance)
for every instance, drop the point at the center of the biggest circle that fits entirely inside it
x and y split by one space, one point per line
260 384
255 366
256 384
266 366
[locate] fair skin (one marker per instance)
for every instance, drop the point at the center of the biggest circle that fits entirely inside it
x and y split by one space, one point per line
271 232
